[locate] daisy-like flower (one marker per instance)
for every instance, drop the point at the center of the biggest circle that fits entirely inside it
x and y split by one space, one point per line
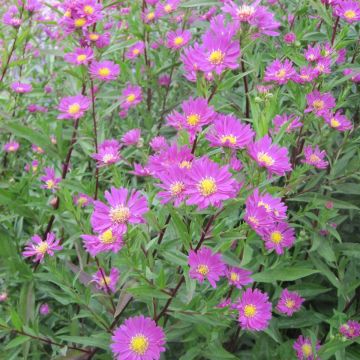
208 184
109 240
323 66
167 7
289 302
148 16
355 74
271 156
350 330
349 10
278 237
138 338
12 17
135 50
280 72
108 153
228 131
178 39
238 277
313 53
289 38
306 75
11 146
80 56
125 208
33 167
305 349
21 88
130 96
319 103
132 137
292 121
315 157
83 200
37 149
204 264
100 40
44 309
50 180
104 70
38 248
141 171
158 143
254 310
338 121
195 114
73 107
105 282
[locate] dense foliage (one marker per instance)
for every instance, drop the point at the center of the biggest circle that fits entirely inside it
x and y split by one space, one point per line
180 179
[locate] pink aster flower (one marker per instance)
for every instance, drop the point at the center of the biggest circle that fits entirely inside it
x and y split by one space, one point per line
140 170
167 7
33 166
44 309
130 96
323 66
204 264
104 70
228 131
350 330
3 296
305 349
280 72
273 206
132 137
355 74
12 17
80 56
349 10
292 122
238 277
306 75
108 240
315 157
105 282
108 153
319 103
271 156
138 338
178 39
135 50
312 53
100 40
254 310
21 88
158 143
338 121
39 248
50 180
11 146
189 58
289 302
37 149
278 237
125 207
73 107
148 16
83 200
195 114
289 37
208 184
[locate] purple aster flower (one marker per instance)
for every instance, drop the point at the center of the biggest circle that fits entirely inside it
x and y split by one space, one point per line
280 72
178 39
158 143
289 38
278 237
100 40
135 50
315 157
208 184
130 96
108 153
204 264
138 338
305 349
125 207
238 277
271 156
32 5
37 149
11 146
289 302
148 16
33 167
349 10
80 56
108 240
12 17
167 7
306 75
319 103
254 310
104 70
164 80
228 131
350 330
313 53
355 74
323 66
292 122
73 107
105 282
21 88
338 121
132 137
235 164
83 200
50 180
141 171
44 309
189 58
38 248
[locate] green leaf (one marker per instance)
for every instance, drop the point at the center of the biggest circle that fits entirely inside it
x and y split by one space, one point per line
102 343
284 274
17 341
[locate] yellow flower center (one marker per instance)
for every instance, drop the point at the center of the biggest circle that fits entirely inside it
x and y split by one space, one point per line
350 14
289 303
120 214
150 15
50 184
265 205
276 237
42 247
216 57
67 13
334 123
80 22
250 310
107 158
104 71
81 200
81 57
131 98
185 164
11 148
74 109
178 40
88 10
314 158
305 76
306 349
177 188
265 158
136 51
94 37
202 269
105 280
281 73
193 119
207 186
234 276
228 138
320 68
167 8
139 344
107 237
318 104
